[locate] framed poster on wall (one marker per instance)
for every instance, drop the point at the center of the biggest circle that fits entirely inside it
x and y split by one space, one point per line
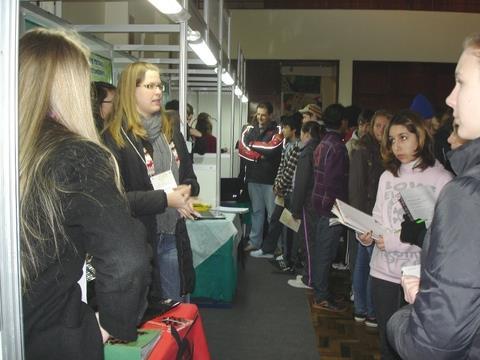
101 68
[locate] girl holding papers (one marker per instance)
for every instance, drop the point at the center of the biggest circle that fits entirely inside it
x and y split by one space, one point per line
407 153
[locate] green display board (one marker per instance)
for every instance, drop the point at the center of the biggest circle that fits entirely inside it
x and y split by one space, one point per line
101 68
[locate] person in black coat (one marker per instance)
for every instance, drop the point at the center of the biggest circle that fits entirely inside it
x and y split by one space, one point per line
71 204
301 204
138 101
443 320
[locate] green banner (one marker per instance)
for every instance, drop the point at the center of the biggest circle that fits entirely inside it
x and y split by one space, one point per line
101 68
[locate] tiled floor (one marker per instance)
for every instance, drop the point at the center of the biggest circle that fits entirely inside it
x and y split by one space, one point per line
339 336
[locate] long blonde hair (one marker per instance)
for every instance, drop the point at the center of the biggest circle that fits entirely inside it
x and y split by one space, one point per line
54 88
124 104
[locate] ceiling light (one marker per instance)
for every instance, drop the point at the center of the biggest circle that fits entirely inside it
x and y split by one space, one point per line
167 6
202 50
244 99
238 92
226 77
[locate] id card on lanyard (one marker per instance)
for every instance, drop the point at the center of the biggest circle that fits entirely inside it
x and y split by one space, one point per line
164 181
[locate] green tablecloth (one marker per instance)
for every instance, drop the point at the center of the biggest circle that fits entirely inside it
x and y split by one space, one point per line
214 249
216 277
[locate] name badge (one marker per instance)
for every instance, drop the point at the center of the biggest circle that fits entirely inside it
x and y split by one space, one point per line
164 181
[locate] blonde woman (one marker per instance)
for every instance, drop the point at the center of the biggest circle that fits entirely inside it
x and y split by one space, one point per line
151 151
70 205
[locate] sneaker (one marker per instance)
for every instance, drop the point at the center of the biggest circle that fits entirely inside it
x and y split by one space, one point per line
359 317
340 266
249 247
279 257
298 283
326 305
288 270
260 254
371 322
279 264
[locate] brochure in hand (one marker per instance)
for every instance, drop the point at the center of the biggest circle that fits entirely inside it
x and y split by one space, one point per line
287 219
135 350
356 219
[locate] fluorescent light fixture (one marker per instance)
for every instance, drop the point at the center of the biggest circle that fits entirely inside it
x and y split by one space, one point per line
226 77
202 50
244 99
238 92
167 6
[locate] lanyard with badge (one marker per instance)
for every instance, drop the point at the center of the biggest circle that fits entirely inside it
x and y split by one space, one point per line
165 180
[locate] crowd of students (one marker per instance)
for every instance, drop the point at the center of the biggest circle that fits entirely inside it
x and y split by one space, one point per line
121 195
385 154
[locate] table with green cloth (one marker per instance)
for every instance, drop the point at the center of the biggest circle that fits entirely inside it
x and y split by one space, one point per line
214 247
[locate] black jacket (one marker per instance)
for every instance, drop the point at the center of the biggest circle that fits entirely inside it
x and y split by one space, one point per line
266 147
57 324
444 321
303 181
146 203
365 170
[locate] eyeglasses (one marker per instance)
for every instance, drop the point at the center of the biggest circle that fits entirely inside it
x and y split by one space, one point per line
152 86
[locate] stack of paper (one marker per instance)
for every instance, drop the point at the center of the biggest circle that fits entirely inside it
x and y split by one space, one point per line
356 219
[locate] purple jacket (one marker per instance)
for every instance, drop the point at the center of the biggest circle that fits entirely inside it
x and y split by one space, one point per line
330 161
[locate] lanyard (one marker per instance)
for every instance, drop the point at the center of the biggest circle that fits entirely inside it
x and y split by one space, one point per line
134 147
141 157
170 149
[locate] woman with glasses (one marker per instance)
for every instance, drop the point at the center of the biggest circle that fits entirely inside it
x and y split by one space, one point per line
71 204
157 174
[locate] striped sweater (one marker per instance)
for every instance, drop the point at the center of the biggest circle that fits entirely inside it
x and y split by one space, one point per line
283 183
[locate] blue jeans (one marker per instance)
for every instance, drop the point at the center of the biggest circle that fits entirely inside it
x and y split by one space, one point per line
168 268
261 197
327 239
362 288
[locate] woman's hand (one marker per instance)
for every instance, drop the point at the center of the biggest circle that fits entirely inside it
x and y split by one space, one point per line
178 198
105 334
185 189
188 211
411 286
380 243
366 239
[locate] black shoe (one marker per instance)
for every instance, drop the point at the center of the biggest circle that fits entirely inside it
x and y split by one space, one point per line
280 264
